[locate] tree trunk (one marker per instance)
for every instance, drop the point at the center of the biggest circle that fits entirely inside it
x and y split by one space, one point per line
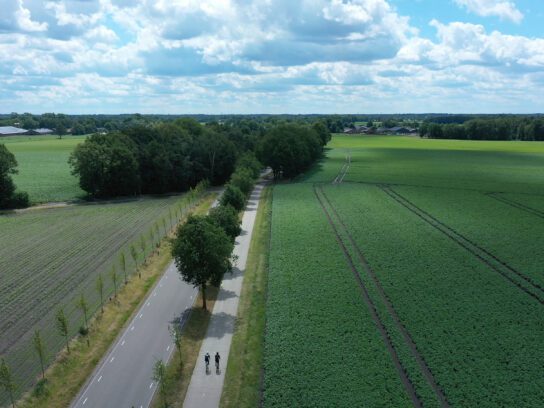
204 296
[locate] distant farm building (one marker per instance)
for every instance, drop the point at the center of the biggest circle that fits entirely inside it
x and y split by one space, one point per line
15 131
41 131
12 131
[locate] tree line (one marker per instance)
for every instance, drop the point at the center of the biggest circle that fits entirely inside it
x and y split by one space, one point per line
495 128
174 156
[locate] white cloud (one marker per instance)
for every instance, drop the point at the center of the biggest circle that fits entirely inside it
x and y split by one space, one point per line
506 10
24 20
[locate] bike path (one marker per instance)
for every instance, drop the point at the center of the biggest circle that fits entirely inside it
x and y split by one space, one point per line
205 388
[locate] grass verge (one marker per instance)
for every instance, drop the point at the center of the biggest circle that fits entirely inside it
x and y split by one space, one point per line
242 386
68 373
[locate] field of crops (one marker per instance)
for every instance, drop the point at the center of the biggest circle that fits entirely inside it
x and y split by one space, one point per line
44 172
442 240
48 258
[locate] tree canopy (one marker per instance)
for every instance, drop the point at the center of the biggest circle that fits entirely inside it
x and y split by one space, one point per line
226 217
9 198
202 252
290 149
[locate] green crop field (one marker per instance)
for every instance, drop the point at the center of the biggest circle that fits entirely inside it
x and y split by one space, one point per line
49 257
416 280
44 172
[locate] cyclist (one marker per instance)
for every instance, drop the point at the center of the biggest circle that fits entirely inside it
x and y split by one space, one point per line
207 360
217 358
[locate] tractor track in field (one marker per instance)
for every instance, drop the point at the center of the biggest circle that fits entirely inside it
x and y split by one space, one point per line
535 290
407 383
343 171
517 205
425 370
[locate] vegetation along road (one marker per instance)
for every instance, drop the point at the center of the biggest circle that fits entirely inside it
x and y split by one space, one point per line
206 386
124 378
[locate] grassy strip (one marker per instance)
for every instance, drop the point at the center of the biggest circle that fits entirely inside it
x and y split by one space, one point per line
178 376
68 373
243 376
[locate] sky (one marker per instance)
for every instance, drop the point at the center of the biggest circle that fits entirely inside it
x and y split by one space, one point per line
271 56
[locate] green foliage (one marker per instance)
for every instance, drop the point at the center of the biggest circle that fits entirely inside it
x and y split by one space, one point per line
289 149
8 197
62 326
202 252
494 128
160 377
40 350
6 381
107 165
233 196
250 162
226 217
243 179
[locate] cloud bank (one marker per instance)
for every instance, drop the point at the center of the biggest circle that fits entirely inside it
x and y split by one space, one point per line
242 56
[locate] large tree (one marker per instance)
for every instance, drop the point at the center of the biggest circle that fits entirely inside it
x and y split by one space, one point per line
107 165
202 252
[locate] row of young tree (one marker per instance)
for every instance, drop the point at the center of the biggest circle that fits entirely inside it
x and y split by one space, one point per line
107 287
173 156
500 128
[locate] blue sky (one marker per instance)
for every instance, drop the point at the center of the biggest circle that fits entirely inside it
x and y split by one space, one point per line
271 56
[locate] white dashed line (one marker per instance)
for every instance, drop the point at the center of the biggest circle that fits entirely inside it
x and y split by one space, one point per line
167 348
150 385
132 328
85 401
113 358
123 343
99 379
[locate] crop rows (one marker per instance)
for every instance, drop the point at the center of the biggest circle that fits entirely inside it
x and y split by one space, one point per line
49 257
322 347
478 334
346 240
508 238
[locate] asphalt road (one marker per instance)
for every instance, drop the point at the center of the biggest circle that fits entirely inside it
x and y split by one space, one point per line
206 386
124 377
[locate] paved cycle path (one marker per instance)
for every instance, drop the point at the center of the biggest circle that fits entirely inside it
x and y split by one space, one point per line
206 387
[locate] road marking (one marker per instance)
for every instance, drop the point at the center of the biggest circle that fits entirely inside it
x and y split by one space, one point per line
148 304
113 358
150 385
155 294
123 343
99 379
85 401
132 328
167 348
141 314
